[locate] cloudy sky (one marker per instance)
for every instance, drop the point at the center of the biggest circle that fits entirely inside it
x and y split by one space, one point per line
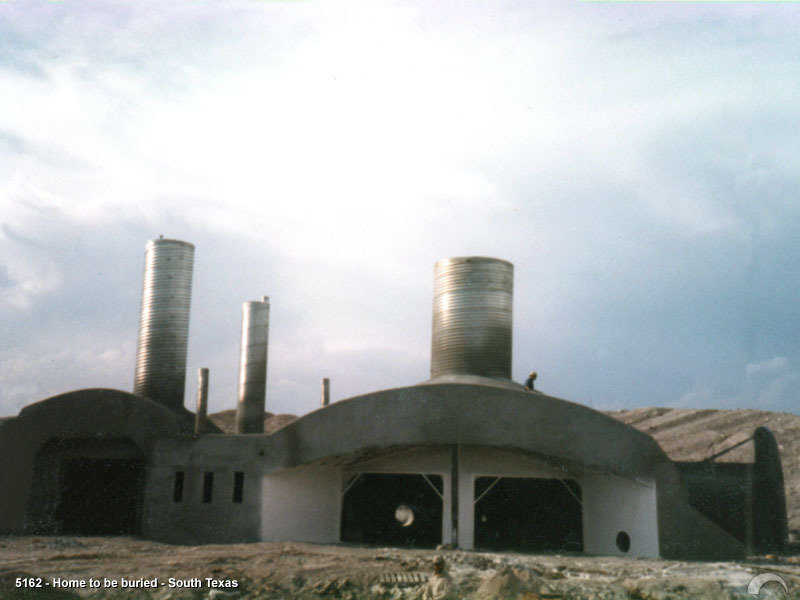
637 162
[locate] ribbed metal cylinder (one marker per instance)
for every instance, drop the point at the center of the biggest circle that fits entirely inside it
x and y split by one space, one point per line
472 314
164 323
253 367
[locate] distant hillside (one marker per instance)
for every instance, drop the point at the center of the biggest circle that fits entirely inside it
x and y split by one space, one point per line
226 421
689 434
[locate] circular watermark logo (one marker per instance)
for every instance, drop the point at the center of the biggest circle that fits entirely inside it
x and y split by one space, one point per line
768 585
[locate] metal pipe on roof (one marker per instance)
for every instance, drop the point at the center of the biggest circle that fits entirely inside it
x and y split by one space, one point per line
201 417
164 322
253 367
326 391
472 317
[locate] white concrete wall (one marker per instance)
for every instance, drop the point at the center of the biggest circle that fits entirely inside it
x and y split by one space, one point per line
612 504
302 504
430 461
489 462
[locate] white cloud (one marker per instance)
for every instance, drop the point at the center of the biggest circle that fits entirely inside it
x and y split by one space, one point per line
769 368
38 371
329 153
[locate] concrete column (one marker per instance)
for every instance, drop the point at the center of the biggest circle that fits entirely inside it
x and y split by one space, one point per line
326 391
748 511
201 417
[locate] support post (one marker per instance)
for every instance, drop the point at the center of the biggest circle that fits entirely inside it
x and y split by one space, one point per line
748 512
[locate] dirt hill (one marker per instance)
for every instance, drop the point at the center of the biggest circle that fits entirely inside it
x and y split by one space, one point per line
691 435
226 421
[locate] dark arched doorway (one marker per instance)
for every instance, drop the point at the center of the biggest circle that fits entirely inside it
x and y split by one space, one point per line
394 509
87 487
529 514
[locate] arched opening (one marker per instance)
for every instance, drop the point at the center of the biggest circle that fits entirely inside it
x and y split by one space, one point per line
531 514
87 487
393 509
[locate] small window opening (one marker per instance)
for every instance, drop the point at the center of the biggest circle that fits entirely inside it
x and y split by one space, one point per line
177 489
208 486
238 486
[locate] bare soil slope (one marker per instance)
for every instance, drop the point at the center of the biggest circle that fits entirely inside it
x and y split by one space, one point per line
226 421
693 435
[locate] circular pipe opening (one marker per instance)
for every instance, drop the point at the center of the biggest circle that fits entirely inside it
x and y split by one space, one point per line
404 515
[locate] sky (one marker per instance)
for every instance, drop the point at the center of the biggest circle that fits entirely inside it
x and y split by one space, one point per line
637 162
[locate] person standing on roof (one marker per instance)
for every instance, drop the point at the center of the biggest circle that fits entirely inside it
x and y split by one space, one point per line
529 381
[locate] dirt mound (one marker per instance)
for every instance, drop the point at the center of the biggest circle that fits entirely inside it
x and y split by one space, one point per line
503 584
226 421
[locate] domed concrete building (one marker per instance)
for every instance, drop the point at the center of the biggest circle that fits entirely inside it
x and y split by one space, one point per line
468 457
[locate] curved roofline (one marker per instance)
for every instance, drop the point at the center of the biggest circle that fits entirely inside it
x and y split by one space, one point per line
468 414
464 378
105 411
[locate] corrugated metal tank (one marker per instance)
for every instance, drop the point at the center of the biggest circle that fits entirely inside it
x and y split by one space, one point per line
472 317
253 367
164 322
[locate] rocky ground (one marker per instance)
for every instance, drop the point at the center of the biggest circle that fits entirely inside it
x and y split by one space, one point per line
308 571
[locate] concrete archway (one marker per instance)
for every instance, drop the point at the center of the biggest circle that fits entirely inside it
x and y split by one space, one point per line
87 486
99 415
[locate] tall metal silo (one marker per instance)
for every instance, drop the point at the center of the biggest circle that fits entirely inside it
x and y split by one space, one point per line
253 367
164 322
472 317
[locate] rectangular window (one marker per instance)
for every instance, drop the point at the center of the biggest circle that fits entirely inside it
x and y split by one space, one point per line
177 488
208 486
238 486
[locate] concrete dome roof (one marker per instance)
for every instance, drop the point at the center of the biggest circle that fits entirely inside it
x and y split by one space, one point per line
469 414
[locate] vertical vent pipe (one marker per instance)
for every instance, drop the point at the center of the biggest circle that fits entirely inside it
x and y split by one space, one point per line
201 417
253 367
472 317
164 322
326 391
